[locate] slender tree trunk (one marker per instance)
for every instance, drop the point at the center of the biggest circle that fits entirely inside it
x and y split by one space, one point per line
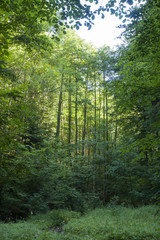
85 118
116 133
76 116
99 136
84 128
89 125
95 114
95 133
69 112
69 117
59 109
9 105
104 139
107 125
62 123
104 114
80 137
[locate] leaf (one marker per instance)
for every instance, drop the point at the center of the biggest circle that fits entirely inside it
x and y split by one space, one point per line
68 8
112 11
71 21
5 52
77 27
130 2
93 17
89 26
102 16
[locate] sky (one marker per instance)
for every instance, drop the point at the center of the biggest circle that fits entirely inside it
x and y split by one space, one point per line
104 31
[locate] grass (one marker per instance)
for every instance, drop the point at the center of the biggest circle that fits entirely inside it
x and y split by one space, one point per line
112 223
117 223
39 227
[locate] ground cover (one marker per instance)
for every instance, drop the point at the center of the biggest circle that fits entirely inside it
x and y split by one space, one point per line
111 223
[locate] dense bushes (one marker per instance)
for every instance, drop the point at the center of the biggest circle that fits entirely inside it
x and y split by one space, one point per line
34 182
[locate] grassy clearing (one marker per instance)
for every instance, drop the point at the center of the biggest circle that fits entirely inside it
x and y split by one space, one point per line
114 223
39 227
117 223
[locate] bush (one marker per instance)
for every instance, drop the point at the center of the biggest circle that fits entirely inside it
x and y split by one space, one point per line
53 218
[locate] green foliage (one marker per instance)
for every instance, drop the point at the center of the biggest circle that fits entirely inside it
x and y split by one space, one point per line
23 230
53 218
116 223
79 126
42 226
136 99
103 223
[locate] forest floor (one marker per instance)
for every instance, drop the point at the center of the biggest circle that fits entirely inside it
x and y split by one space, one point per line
110 223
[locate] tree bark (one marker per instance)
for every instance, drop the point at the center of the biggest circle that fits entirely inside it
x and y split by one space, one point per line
69 112
85 118
59 109
76 116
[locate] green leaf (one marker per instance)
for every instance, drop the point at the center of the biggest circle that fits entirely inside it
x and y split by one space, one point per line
77 27
112 11
102 16
130 2
93 17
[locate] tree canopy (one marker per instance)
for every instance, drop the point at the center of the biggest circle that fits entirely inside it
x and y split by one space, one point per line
79 126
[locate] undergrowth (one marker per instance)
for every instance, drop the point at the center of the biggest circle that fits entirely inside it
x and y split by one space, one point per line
112 223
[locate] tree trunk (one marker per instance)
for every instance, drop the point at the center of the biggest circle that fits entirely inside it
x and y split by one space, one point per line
95 114
69 117
84 122
107 126
116 133
59 109
104 139
69 112
76 116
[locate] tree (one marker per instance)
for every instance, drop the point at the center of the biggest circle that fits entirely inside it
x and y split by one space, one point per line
135 92
77 122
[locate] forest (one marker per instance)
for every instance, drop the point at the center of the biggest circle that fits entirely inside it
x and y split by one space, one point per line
79 125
